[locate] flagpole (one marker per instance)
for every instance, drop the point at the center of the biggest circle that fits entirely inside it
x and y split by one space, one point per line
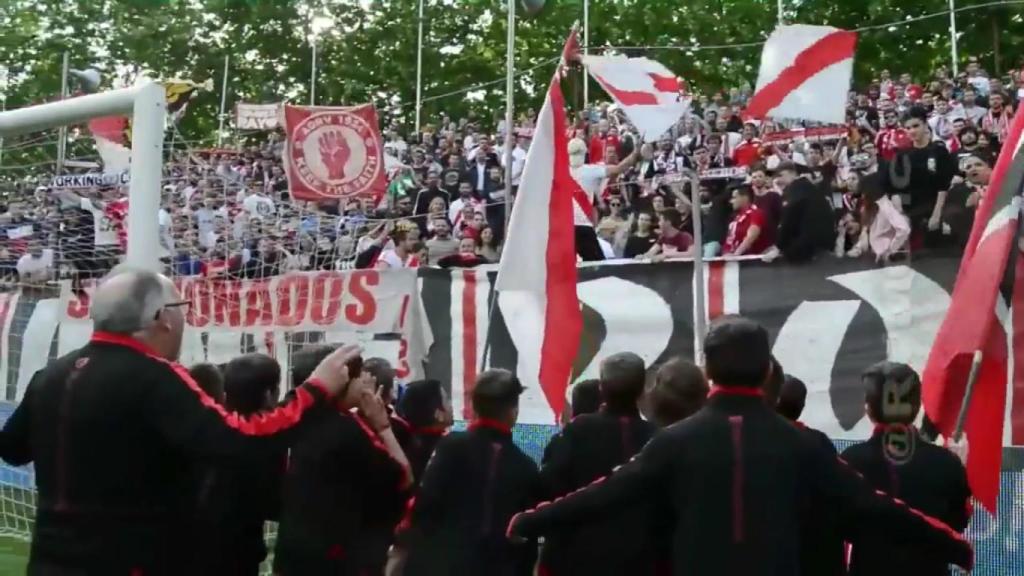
312 76
972 378
223 100
952 37
509 107
699 321
778 13
62 133
586 51
419 69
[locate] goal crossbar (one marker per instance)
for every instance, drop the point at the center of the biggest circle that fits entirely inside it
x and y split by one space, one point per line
147 105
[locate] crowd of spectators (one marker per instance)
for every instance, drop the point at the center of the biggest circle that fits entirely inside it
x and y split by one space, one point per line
906 172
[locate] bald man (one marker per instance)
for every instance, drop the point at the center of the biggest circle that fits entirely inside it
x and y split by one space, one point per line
113 429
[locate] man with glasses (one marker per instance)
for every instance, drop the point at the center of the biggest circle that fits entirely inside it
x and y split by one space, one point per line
116 428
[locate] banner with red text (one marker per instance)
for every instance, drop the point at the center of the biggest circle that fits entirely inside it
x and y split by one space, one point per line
333 153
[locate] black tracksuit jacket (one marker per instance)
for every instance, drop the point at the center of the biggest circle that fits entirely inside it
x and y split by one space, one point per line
422 443
471 488
341 489
738 480
114 431
590 447
822 550
933 481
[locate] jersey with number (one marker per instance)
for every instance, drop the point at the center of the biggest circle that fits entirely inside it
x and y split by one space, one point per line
108 222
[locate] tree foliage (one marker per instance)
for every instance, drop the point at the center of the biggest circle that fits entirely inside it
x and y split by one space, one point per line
369 53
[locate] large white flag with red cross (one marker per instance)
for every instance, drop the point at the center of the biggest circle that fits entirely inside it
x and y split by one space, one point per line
805 74
652 97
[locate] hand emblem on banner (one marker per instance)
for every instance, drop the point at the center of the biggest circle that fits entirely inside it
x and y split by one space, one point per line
334 152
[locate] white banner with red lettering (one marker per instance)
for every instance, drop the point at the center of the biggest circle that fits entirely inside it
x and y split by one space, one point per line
379 309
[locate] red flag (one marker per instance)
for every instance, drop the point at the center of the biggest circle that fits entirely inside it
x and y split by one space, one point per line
537 273
333 152
971 324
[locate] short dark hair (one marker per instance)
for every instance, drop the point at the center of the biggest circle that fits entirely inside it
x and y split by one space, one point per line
787 166
736 352
745 190
673 217
420 402
209 379
496 393
586 397
382 371
892 392
915 113
247 380
622 379
792 398
817 147
679 390
306 360
773 386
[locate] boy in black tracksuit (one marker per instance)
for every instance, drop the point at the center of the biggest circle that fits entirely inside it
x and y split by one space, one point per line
822 551
590 447
471 488
739 479
345 478
897 461
427 410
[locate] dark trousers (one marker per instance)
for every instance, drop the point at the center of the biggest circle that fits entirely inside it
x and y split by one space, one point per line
587 247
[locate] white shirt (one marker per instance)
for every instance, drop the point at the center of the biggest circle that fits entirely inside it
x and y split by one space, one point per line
455 210
589 177
606 248
390 259
518 163
104 230
257 205
31 268
204 220
166 239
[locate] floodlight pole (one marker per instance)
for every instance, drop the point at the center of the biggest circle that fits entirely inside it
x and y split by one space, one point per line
62 133
223 101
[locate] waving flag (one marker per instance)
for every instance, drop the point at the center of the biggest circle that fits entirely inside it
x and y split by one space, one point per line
972 323
537 274
805 74
652 97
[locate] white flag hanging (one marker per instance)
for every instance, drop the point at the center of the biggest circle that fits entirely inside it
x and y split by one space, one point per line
652 96
805 74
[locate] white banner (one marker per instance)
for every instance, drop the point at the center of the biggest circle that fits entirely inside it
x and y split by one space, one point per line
91 180
257 116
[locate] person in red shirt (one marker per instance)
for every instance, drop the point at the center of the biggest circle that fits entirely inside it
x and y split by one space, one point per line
672 241
891 137
606 137
746 231
748 150
768 200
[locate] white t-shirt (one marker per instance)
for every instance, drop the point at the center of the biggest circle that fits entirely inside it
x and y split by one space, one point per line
31 268
166 239
204 220
257 205
589 177
390 259
104 229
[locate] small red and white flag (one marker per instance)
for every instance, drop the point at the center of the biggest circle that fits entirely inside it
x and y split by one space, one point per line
805 74
111 137
652 97
537 274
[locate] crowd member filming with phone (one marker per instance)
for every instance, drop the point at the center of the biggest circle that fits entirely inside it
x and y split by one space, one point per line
346 477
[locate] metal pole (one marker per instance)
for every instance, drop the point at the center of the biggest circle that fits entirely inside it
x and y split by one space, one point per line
62 132
419 69
312 77
972 378
952 37
778 12
223 100
509 107
586 51
699 320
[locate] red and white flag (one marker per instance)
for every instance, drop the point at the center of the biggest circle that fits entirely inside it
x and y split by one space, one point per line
985 284
111 137
333 152
537 274
652 97
805 74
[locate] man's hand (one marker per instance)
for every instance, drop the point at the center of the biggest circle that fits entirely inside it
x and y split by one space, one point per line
332 371
334 152
961 449
372 407
934 222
